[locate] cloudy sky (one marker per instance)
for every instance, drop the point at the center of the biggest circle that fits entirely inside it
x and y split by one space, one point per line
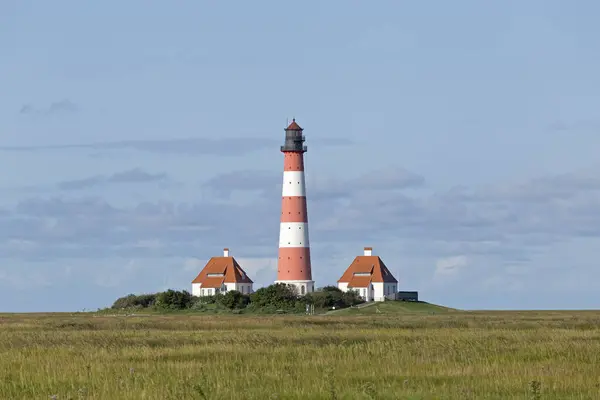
461 142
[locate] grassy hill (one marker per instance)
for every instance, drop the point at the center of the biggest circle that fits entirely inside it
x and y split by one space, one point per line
394 308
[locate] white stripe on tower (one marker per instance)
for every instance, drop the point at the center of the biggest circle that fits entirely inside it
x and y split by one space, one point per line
293 234
293 184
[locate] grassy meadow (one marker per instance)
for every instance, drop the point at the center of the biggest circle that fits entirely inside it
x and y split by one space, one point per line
406 354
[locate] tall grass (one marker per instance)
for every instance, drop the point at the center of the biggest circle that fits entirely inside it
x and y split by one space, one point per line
523 355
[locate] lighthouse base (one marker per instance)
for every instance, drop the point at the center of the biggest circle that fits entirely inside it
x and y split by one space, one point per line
302 287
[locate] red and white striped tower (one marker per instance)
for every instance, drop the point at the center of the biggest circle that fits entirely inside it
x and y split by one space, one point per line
293 265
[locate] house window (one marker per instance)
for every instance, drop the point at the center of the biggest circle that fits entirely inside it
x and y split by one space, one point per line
302 289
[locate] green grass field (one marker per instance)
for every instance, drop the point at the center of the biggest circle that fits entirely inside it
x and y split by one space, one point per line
389 355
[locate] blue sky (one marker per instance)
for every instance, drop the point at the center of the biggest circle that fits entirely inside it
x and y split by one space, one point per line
458 139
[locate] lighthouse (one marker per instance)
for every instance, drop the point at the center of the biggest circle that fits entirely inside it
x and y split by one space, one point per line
293 264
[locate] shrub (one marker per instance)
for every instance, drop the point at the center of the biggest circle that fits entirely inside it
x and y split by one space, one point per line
351 298
234 300
174 300
212 299
135 301
268 300
278 296
330 289
331 296
199 306
326 298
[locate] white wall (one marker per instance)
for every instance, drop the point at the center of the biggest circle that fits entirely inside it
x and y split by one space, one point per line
365 293
392 290
196 289
245 288
207 292
343 286
385 290
379 291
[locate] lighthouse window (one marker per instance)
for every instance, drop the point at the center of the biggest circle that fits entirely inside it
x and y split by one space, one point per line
299 227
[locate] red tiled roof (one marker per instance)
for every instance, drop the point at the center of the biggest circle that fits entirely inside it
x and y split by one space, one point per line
359 281
228 266
294 126
212 282
368 264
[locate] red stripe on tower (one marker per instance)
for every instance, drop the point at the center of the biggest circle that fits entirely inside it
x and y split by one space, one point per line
293 265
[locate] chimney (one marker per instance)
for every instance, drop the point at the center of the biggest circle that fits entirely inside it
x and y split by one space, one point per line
225 252
368 251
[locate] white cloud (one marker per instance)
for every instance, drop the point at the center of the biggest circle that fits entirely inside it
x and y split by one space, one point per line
450 265
116 275
26 280
193 265
503 283
263 271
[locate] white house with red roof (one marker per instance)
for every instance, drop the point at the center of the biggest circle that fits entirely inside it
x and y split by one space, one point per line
221 275
369 276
